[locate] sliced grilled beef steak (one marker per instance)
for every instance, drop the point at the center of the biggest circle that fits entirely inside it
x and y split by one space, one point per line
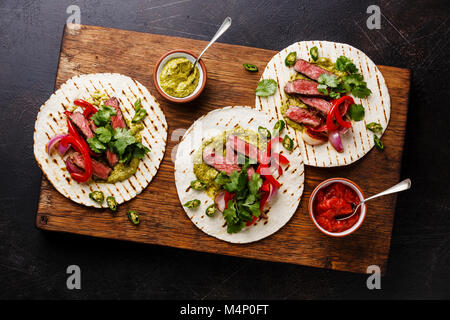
302 116
310 70
317 103
112 158
82 124
92 125
303 87
247 149
218 162
117 121
99 169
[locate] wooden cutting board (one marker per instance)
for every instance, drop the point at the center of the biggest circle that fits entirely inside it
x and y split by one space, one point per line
163 220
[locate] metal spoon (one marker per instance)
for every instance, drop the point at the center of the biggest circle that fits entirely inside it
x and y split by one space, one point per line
401 186
225 25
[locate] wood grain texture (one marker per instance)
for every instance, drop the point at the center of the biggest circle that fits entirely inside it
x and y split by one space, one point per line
163 221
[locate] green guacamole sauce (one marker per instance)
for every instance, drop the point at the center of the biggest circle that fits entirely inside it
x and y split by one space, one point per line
122 171
175 79
208 174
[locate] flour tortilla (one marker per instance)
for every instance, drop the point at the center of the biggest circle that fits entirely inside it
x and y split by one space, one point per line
285 202
357 141
52 121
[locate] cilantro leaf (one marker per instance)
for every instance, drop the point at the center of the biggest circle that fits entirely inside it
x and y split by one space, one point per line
104 134
334 95
255 183
266 87
361 91
103 115
253 208
355 84
243 212
322 88
96 145
123 139
344 64
222 178
328 79
140 150
126 156
238 181
234 223
356 112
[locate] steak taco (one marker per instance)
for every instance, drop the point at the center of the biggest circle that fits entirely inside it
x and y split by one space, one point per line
236 178
100 134
333 99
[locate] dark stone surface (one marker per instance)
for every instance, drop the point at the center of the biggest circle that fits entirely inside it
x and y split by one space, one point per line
414 34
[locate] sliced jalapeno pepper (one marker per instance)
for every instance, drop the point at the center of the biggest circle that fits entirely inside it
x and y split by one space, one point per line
139 115
250 67
211 210
265 133
278 127
112 203
314 53
198 185
137 104
97 196
291 58
374 127
287 142
192 204
378 143
133 216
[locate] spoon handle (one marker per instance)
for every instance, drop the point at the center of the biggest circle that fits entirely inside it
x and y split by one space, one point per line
225 25
401 186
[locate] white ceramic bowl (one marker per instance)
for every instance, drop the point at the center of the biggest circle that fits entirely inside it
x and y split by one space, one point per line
358 191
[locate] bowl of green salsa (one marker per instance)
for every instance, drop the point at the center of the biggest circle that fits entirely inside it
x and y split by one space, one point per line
176 80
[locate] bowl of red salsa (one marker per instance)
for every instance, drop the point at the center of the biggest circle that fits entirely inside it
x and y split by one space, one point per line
334 198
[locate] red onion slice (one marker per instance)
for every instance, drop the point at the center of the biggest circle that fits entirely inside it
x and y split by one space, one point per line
62 150
53 141
335 140
272 191
219 201
71 167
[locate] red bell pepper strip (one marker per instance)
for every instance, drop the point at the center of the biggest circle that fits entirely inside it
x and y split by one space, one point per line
270 143
265 186
336 113
265 172
277 166
346 100
330 123
282 159
228 196
79 146
89 109
249 223
263 201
